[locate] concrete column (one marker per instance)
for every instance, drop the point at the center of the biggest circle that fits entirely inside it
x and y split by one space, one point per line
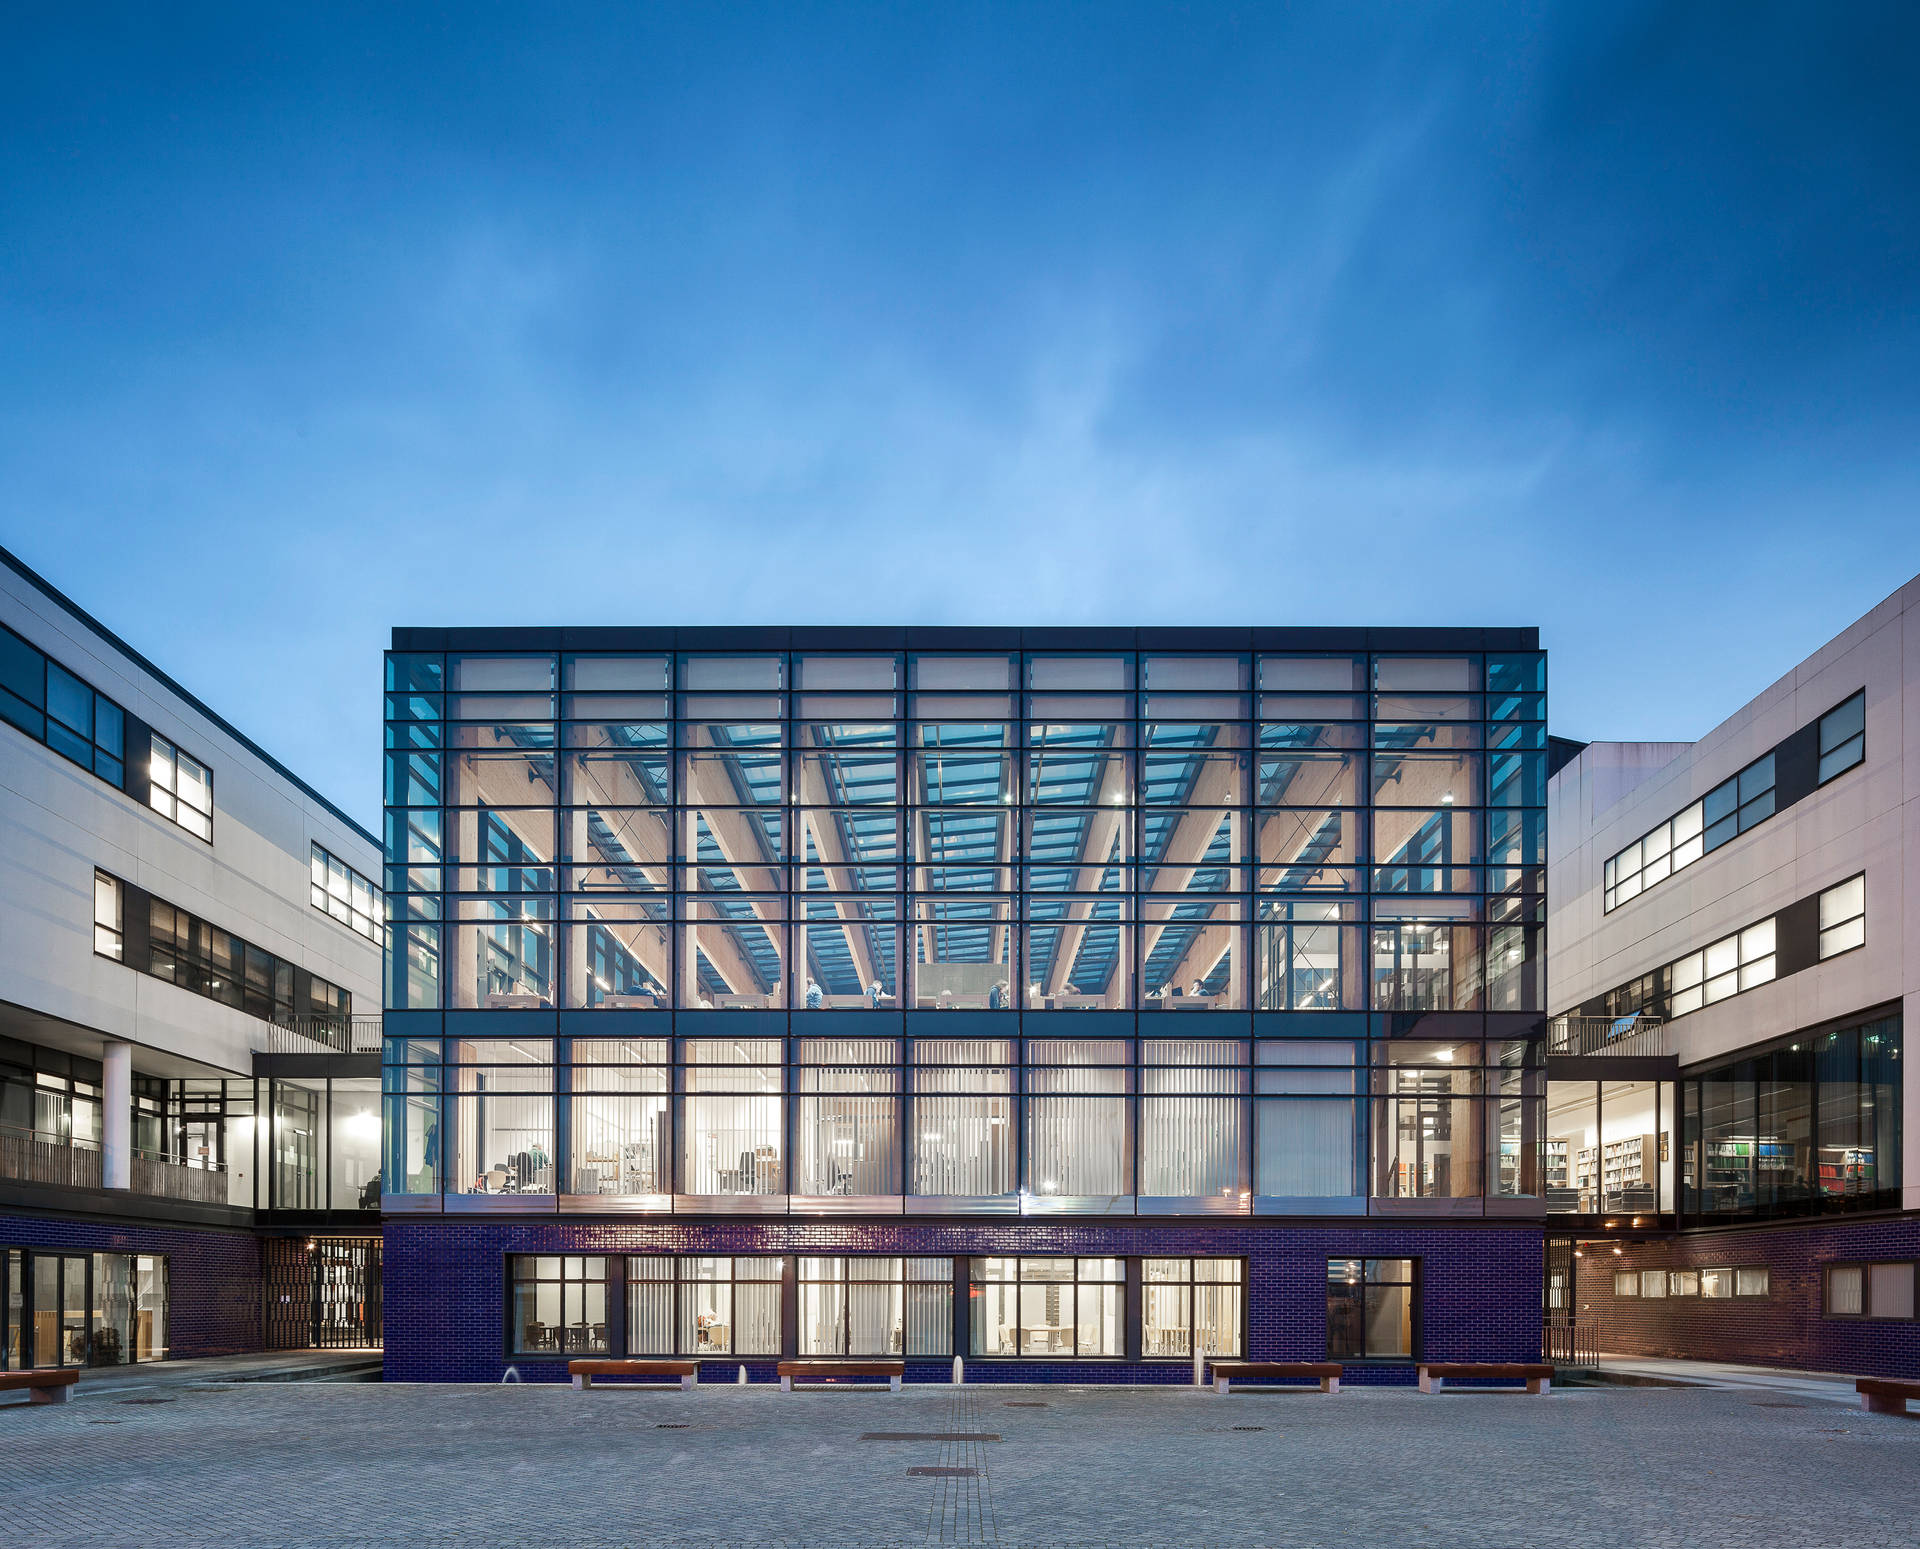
116 1116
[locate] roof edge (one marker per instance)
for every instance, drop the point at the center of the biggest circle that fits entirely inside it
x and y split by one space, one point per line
53 594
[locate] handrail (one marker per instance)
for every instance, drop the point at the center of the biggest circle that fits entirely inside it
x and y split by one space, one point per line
1639 1035
322 1035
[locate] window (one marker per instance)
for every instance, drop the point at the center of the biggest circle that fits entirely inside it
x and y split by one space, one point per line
1726 967
848 1119
558 1306
1843 917
1871 1291
1716 1284
502 1117
703 1306
1057 1308
201 957
1806 1125
1653 1283
51 705
340 891
1626 1282
182 789
1843 737
107 936
732 1125
1751 1282
1370 1309
1189 1302
1683 1282
876 1306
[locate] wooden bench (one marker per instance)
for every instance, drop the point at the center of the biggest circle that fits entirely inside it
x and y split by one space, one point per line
583 1372
824 1371
44 1385
1434 1375
1227 1373
1885 1395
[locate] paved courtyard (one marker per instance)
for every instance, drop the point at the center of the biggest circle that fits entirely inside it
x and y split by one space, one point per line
318 1464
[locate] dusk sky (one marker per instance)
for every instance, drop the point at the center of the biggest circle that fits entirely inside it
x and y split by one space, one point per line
1604 318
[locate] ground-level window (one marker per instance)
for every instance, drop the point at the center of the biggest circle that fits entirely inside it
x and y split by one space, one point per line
1053 1307
77 1309
876 1306
1187 1300
1626 1282
1370 1308
559 1305
1870 1290
697 1306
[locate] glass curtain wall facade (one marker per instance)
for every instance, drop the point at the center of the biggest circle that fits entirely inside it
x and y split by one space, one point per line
903 931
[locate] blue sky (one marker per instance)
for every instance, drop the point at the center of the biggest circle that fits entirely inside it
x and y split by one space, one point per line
1603 318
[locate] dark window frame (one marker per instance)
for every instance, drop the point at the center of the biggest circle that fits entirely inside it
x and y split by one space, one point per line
1415 1283
38 720
1129 1277
1866 1268
513 1280
1241 1331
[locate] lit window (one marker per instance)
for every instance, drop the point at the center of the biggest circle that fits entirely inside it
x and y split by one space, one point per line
559 1305
1189 1301
107 941
704 1306
1752 1281
1626 1282
1040 1308
340 891
1843 917
182 789
876 1306
1370 1308
1716 1284
1653 1283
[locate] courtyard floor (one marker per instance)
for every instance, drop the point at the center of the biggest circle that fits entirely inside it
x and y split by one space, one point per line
341 1464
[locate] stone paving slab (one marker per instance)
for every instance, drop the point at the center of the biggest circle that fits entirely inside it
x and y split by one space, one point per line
332 1466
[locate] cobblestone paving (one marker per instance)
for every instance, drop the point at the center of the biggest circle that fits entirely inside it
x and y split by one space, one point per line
322 1466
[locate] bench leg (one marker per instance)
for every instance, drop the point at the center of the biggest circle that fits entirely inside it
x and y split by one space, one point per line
1539 1384
1223 1386
686 1383
1329 1384
894 1383
57 1395
1876 1404
1431 1384
582 1383
786 1384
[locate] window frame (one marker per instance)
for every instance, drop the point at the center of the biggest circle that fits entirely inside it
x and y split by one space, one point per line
1191 1285
1866 1314
975 1280
322 863
1415 1284
1826 929
42 712
1747 803
513 1280
164 799
902 1279
1822 753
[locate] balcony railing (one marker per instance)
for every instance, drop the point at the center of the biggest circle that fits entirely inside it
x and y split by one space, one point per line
31 1156
1634 1035
34 1156
322 1035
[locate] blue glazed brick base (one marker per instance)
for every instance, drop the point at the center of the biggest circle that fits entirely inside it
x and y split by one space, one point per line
445 1291
213 1278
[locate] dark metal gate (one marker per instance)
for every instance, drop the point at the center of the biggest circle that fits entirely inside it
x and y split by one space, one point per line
323 1293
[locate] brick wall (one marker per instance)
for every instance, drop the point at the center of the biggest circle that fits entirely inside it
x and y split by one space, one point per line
1787 1328
213 1277
1480 1288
